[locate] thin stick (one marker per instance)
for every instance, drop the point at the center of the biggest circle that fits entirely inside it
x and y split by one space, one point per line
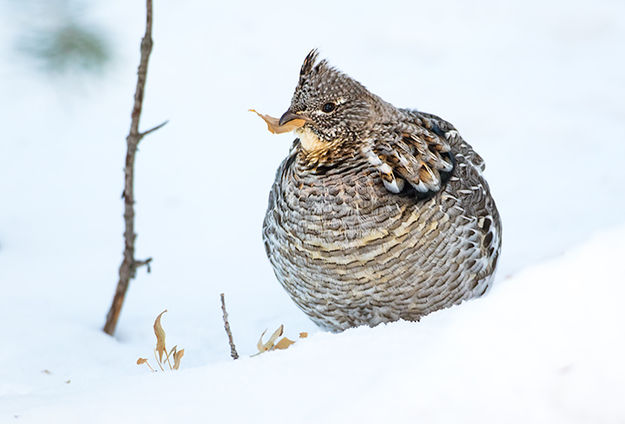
168 355
157 361
129 265
233 349
151 130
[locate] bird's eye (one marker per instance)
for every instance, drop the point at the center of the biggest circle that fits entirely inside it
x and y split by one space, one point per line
328 107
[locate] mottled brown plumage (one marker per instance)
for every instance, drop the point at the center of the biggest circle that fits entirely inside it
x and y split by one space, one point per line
377 213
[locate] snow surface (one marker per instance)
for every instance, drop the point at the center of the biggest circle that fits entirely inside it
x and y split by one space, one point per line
545 347
537 87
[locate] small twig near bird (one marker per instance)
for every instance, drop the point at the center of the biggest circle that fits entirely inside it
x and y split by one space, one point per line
233 349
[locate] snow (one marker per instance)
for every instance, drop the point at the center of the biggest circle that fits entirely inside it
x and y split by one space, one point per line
536 87
544 346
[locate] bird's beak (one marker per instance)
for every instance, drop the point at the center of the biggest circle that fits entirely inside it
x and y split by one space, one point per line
296 119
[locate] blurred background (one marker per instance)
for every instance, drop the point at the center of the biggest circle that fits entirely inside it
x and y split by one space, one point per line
537 88
59 37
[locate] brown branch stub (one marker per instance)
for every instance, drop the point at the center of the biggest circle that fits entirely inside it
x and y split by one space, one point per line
151 130
129 265
144 262
233 349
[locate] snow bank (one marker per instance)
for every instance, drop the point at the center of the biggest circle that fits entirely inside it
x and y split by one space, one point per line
546 346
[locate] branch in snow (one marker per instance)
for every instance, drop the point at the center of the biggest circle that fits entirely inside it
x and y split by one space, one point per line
129 265
233 349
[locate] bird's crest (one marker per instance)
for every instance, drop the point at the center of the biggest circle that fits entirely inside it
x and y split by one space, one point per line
310 60
311 66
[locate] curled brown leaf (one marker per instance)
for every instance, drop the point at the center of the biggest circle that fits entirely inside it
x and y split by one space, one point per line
273 124
160 336
177 357
274 337
262 346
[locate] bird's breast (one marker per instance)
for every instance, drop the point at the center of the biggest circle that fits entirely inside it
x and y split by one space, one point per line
340 206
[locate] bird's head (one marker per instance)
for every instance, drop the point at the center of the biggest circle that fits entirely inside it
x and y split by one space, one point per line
330 109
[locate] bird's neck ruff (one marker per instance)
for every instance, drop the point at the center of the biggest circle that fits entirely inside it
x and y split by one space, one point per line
315 152
310 142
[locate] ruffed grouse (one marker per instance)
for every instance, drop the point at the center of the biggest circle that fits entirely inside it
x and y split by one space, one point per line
377 213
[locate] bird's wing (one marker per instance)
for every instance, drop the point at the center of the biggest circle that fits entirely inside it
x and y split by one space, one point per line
457 143
415 151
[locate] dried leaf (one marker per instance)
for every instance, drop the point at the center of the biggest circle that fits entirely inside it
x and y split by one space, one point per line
46 372
159 363
160 336
284 343
68 381
172 353
263 347
260 345
177 357
142 361
303 335
273 124
274 337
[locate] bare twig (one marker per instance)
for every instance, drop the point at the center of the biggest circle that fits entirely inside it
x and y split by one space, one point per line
233 349
168 355
158 127
129 265
157 361
145 262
